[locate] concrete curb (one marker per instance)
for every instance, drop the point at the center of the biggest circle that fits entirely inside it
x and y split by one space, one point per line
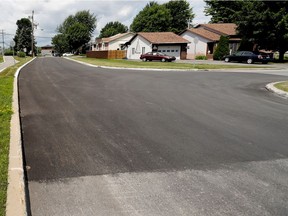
246 70
16 194
124 68
275 90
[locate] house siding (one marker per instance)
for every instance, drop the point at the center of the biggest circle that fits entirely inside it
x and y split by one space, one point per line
199 49
136 47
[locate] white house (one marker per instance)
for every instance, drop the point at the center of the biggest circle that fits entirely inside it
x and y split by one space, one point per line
204 38
165 42
116 42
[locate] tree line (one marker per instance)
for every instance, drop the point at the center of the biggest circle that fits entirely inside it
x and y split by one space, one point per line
262 23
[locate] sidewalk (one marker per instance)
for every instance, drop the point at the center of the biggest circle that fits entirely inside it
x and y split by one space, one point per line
8 61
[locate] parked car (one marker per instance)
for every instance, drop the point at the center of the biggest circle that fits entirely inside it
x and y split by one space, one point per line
248 57
67 54
150 56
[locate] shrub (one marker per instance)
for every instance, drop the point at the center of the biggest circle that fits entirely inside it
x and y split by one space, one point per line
21 54
8 53
201 57
222 48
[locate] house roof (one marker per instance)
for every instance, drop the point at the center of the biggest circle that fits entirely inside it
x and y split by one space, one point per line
213 32
112 38
220 28
162 37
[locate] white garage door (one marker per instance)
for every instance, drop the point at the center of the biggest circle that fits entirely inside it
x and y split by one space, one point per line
170 50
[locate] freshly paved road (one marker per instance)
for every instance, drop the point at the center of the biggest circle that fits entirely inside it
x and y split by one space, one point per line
118 142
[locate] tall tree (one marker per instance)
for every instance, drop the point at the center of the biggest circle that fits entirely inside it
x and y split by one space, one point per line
152 18
23 36
112 28
181 14
75 31
264 23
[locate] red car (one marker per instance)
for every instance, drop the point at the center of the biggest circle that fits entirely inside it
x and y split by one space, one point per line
157 56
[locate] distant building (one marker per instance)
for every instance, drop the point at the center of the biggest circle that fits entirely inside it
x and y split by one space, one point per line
47 50
205 37
115 42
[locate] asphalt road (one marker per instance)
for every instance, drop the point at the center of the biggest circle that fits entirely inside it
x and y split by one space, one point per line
123 142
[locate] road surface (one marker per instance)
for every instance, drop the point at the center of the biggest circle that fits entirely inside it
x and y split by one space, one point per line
119 142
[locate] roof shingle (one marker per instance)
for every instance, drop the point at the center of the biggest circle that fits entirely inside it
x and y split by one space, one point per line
162 37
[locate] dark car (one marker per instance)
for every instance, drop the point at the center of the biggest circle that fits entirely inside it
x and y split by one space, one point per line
248 57
150 56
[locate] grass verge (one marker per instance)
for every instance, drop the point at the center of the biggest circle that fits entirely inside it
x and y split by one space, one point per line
156 65
6 91
282 86
1 59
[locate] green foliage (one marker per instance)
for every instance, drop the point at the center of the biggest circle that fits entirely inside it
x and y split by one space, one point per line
172 16
153 18
21 54
181 14
201 57
112 28
23 35
8 52
264 23
222 48
74 32
60 43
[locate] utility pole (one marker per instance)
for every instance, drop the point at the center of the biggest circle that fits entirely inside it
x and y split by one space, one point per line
32 36
3 42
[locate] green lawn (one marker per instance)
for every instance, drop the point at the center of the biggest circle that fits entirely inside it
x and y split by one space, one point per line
6 91
283 86
156 65
1 59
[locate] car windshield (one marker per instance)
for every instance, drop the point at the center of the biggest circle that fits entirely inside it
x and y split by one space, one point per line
161 54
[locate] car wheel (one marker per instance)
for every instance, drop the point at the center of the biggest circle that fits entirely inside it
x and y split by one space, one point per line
227 59
249 61
144 59
163 60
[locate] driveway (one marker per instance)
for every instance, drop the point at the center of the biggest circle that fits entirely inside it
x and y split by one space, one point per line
116 142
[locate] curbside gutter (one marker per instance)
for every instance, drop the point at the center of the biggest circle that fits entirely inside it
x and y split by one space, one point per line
271 87
16 203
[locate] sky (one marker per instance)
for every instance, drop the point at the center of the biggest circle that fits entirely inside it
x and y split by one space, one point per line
51 13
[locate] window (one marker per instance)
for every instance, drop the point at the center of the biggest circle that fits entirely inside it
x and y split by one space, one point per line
172 50
159 50
133 51
143 50
163 50
176 50
168 50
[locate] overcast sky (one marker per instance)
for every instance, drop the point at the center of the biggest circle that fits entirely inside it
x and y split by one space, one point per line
51 13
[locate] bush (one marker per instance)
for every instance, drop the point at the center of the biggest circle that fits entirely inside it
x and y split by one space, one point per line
222 48
201 57
8 53
21 54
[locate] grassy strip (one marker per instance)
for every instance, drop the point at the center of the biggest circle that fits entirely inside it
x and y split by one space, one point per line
6 91
156 65
282 86
1 59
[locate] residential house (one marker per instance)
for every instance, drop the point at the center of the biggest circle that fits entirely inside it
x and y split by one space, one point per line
165 42
47 50
204 38
116 42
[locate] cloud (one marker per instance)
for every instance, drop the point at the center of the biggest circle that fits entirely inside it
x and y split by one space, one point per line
51 13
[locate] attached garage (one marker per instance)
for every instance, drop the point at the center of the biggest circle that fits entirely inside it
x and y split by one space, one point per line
165 42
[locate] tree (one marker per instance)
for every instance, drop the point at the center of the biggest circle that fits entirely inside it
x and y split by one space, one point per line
60 43
112 28
153 18
181 14
23 36
264 23
74 32
222 48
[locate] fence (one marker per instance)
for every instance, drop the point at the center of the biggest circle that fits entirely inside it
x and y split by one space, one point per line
107 54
